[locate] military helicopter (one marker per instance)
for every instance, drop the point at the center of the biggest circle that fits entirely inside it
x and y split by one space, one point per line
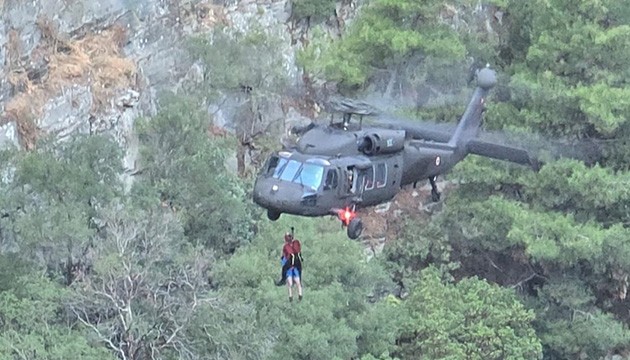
338 168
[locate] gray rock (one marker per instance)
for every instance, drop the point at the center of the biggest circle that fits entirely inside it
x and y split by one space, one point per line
156 44
4 85
118 122
614 357
9 136
271 17
223 112
295 119
128 99
432 207
68 114
156 32
193 78
7 173
382 208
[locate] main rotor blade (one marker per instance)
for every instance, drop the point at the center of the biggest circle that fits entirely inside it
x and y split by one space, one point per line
419 130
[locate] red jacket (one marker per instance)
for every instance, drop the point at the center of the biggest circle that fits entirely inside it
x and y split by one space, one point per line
291 248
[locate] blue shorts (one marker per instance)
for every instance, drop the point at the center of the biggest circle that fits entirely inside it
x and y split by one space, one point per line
293 272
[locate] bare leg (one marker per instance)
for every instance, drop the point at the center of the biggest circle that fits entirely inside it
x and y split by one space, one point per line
298 283
290 285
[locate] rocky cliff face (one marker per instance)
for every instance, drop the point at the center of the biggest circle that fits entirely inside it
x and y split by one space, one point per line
80 66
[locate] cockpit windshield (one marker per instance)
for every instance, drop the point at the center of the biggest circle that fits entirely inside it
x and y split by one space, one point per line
306 174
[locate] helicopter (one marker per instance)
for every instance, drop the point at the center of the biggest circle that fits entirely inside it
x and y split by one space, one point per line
338 168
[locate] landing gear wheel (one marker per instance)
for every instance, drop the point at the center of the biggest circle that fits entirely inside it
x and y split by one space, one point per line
273 215
355 228
435 196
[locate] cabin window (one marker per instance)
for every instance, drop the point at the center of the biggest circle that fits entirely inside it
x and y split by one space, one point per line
380 175
272 164
350 179
369 178
310 175
332 179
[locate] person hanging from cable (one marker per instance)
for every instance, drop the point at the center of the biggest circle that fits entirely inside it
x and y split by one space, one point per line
291 261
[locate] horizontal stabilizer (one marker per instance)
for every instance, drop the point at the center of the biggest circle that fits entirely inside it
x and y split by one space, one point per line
502 152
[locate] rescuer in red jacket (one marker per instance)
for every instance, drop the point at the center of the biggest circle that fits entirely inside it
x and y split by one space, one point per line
291 261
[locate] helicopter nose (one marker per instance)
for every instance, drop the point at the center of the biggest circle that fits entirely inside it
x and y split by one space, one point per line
282 196
271 193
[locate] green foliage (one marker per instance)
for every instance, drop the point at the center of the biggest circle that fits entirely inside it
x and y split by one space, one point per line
238 60
554 242
571 69
336 318
589 335
416 246
498 224
223 329
471 319
312 9
137 270
568 186
568 323
86 168
55 191
385 34
188 170
11 268
144 284
248 71
31 326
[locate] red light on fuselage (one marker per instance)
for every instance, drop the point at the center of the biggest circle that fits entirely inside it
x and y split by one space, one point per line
346 215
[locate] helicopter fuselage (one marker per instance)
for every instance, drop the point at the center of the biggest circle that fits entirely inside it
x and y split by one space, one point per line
337 168
334 168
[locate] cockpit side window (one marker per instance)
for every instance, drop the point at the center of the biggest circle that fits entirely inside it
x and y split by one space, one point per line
332 179
290 170
272 164
282 163
310 175
306 174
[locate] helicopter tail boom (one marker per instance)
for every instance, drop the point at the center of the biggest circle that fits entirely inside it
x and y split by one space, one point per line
501 152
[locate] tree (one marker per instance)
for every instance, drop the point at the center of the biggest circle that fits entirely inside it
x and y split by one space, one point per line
144 285
471 319
312 9
247 69
406 44
52 198
341 315
417 245
186 169
570 325
32 325
569 68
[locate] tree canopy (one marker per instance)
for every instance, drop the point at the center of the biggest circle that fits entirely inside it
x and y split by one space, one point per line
516 265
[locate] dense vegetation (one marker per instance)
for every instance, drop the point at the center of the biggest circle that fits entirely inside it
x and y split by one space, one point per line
518 265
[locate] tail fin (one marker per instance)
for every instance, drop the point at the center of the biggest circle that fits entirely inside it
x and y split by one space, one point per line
470 122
